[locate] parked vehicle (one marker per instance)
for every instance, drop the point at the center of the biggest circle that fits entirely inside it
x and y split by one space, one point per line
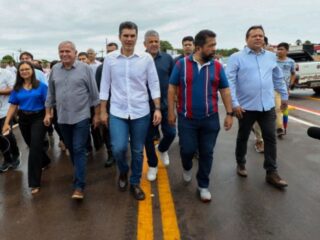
307 70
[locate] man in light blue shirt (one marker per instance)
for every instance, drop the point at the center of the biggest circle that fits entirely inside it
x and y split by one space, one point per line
253 76
28 57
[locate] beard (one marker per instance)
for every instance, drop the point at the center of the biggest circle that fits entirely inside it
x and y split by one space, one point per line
207 57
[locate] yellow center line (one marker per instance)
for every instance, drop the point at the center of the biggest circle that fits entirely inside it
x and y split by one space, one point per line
170 226
312 98
145 218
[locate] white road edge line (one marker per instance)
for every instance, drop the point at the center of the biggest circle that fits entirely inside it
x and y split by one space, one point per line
302 121
304 110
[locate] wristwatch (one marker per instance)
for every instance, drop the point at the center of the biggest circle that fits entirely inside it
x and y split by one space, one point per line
230 114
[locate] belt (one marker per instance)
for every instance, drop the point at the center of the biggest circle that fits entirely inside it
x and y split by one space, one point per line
30 112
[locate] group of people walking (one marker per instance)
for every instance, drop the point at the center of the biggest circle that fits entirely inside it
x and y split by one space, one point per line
131 94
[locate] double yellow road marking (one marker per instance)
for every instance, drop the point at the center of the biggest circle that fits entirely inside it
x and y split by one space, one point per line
170 227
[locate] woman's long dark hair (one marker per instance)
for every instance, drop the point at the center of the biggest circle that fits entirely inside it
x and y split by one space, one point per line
19 80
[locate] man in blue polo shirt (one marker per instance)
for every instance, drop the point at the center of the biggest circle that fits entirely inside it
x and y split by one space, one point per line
164 65
199 78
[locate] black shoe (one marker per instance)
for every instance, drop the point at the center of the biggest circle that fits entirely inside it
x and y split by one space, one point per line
46 166
16 160
280 132
137 192
4 167
15 164
123 182
16 156
109 162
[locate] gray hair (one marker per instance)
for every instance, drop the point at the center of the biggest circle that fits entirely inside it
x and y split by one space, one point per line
151 33
69 43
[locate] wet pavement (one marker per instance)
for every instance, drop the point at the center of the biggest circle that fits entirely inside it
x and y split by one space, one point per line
240 209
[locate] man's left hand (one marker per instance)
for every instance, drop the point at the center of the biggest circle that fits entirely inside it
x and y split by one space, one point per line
157 117
96 121
228 121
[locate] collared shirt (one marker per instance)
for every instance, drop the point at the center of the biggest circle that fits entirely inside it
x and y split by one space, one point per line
164 65
73 91
40 76
94 66
7 80
253 78
198 86
288 68
128 78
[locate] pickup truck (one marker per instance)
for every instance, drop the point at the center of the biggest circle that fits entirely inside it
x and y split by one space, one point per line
307 70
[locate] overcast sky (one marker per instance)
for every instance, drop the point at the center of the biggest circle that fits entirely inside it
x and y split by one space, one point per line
38 26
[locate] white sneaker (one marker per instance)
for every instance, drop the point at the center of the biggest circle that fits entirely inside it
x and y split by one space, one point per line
164 156
205 195
152 173
187 175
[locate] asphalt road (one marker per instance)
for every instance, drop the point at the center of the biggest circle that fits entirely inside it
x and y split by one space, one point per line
240 209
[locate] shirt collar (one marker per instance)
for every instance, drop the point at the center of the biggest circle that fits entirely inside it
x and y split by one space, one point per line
250 51
190 57
74 65
118 53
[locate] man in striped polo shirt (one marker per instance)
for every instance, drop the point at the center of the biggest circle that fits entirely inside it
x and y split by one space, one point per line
197 79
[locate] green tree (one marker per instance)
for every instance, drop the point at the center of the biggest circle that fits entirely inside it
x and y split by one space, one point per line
307 42
8 59
227 52
298 42
165 45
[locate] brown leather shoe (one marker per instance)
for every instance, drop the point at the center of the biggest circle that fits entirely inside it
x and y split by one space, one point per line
241 170
77 194
123 182
274 179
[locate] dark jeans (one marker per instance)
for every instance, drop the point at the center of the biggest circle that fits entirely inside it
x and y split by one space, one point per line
8 145
120 130
75 137
33 131
168 133
201 135
267 122
56 125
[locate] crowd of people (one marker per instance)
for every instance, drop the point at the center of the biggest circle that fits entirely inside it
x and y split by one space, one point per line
133 96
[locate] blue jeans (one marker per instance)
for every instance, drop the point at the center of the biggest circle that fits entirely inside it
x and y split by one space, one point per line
75 137
168 133
201 135
120 130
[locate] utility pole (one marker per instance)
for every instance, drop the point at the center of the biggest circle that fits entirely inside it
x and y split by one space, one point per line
19 51
101 51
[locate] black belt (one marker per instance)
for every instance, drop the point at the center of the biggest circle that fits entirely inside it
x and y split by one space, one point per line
30 112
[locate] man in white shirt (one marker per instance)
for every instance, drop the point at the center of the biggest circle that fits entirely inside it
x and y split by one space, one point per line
93 63
8 143
128 73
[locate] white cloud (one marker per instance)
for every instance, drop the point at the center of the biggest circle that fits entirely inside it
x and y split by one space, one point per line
38 26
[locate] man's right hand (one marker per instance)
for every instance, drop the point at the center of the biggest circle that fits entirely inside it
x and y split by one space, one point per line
47 120
239 112
172 118
104 118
